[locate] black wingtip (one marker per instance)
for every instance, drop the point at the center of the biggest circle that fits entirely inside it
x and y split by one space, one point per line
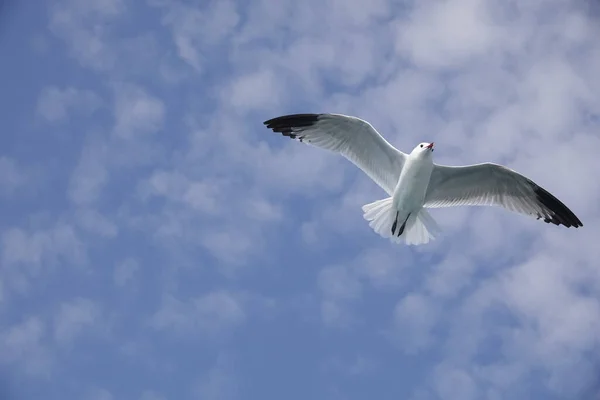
561 214
287 125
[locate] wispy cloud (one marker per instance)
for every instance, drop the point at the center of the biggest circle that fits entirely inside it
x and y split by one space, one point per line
99 394
12 176
90 175
25 252
197 30
210 314
415 316
55 104
125 271
84 29
136 112
219 383
150 395
74 317
24 346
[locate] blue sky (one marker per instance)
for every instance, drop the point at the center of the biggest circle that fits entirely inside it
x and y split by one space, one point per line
157 242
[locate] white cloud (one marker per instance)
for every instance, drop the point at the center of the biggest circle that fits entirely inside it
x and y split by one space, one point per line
83 26
151 395
547 298
125 271
93 221
24 345
254 91
452 383
220 382
137 112
91 34
337 282
24 253
341 286
451 276
415 317
204 212
211 314
351 366
18 246
233 253
463 30
201 196
91 174
56 104
12 176
336 314
74 317
196 29
99 394
353 14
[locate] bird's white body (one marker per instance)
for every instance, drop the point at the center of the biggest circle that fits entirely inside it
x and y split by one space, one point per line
401 217
409 193
414 182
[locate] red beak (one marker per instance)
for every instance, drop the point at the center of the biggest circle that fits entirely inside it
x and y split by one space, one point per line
429 146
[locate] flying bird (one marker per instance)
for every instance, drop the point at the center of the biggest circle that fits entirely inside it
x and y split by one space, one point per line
415 183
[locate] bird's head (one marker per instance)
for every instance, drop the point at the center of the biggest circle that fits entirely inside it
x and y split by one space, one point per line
423 149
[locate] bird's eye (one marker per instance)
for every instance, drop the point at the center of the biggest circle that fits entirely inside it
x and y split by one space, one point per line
421 145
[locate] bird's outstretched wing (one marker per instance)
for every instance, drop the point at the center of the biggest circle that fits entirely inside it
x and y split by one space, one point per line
491 184
352 137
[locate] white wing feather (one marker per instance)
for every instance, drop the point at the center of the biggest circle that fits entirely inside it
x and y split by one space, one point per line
491 184
352 137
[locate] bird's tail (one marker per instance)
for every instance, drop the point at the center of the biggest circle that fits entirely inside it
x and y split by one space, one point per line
416 228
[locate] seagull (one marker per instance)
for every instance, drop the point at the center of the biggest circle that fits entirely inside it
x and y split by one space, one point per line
415 183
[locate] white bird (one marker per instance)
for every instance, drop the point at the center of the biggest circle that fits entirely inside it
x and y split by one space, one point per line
414 182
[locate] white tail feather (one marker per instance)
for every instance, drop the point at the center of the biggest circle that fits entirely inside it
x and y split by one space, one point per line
420 227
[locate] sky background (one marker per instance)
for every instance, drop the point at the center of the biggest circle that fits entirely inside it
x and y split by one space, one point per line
158 243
